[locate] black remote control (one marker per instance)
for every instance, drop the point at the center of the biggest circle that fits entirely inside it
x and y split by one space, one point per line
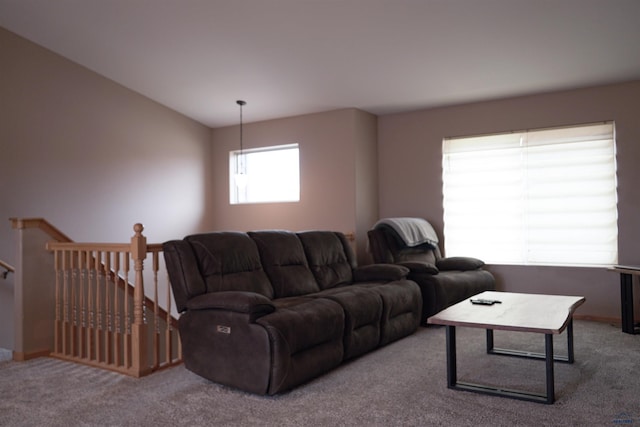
484 301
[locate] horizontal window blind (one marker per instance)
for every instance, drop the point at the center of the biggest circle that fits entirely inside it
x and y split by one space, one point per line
541 197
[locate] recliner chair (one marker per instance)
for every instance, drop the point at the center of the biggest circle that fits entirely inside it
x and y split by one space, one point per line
411 242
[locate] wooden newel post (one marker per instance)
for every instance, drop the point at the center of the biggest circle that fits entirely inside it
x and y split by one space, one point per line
138 330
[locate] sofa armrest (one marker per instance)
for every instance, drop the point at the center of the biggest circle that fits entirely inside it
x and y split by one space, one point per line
420 267
459 263
250 303
377 272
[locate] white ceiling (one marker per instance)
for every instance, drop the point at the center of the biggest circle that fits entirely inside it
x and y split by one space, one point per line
290 57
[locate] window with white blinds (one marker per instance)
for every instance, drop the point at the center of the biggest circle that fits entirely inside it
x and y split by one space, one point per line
537 197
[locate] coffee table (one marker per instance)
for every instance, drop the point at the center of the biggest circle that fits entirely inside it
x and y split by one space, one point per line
545 314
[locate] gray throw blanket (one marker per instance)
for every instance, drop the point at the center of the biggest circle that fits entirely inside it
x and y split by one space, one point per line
413 231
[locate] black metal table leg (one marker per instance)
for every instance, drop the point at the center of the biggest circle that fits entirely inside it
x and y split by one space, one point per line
548 349
626 302
489 341
452 373
569 341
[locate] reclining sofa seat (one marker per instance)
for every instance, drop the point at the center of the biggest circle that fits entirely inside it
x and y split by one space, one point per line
268 310
443 281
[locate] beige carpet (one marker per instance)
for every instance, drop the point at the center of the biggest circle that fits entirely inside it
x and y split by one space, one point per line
402 384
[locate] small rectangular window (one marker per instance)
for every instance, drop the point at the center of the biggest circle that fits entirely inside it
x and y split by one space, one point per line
265 175
537 197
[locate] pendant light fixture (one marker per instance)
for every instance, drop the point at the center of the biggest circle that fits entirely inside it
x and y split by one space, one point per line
241 175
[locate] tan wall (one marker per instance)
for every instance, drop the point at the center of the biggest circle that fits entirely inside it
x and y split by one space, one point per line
410 183
366 193
336 190
92 157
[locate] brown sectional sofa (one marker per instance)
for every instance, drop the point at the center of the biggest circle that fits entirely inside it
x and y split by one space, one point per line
266 311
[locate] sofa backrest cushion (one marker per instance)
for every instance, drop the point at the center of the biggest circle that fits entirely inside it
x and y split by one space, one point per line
285 263
387 247
229 261
184 273
330 257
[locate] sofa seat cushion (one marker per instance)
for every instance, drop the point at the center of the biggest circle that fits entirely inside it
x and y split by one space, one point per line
363 313
290 302
306 341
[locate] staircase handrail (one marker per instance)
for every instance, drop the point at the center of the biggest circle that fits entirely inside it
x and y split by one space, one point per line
42 224
7 266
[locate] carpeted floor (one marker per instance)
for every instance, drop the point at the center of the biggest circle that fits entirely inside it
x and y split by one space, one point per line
402 384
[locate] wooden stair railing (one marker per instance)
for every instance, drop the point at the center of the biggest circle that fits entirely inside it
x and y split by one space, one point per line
7 269
101 319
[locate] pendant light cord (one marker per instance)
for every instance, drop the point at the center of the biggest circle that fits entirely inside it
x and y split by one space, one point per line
241 104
